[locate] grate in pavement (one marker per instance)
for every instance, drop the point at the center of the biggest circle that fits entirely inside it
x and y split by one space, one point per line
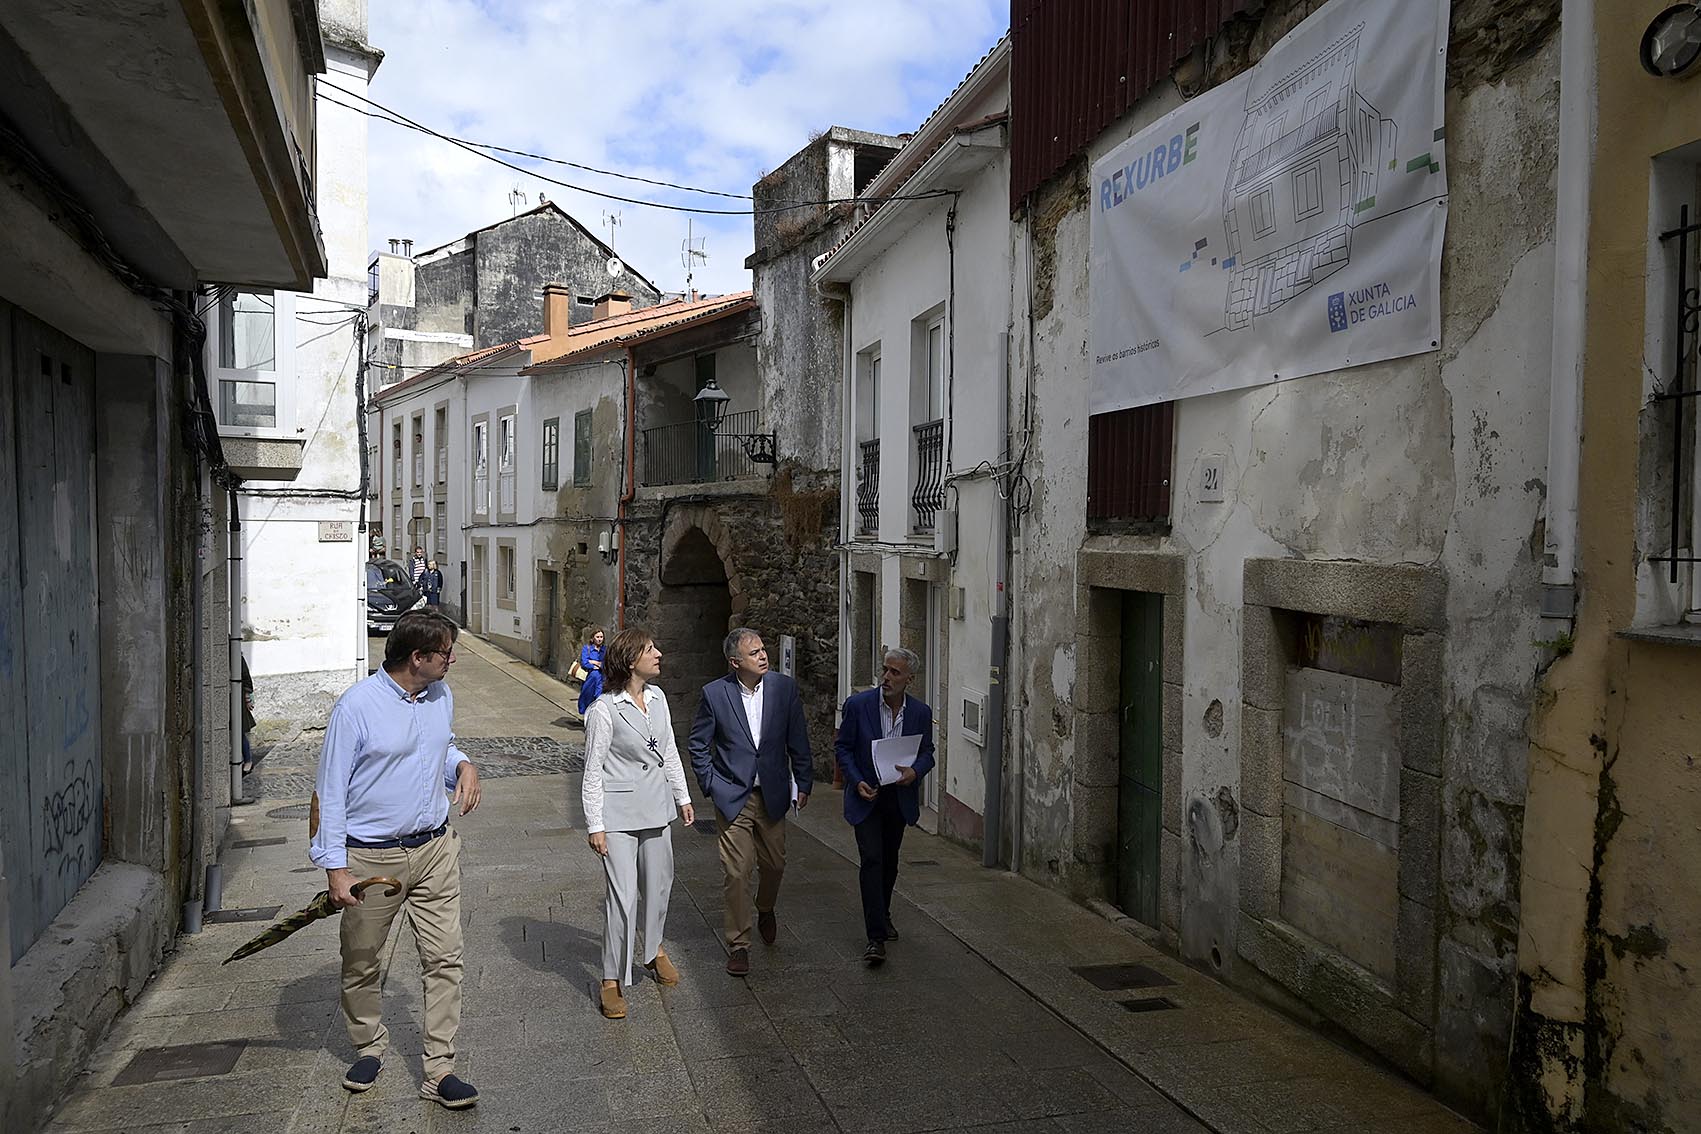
250 913
922 862
705 828
185 1061
1149 1004
277 842
1116 978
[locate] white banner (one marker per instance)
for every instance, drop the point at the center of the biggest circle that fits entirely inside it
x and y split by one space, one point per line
1288 222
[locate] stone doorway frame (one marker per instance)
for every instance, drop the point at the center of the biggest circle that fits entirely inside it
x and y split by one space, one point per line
1399 1021
1101 577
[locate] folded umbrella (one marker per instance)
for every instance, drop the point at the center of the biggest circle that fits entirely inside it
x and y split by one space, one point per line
319 907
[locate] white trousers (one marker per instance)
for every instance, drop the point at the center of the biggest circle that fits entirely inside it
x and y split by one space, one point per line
639 867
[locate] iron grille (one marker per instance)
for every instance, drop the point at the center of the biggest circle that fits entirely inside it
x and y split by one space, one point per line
1687 303
868 488
1129 454
929 494
689 452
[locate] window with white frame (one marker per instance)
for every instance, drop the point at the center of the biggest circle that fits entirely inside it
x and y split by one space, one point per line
251 360
506 580
440 530
440 437
481 468
866 423
396 457
925 445
506 468
418 451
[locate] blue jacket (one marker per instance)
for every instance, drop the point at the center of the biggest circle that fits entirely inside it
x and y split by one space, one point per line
726 763
859 728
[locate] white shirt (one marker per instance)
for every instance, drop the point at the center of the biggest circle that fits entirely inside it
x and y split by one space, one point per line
753 714
891 724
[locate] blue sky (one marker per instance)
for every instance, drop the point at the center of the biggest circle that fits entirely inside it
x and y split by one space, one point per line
708 94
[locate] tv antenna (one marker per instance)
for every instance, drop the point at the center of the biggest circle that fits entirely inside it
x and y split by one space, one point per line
610 221
516 199
690 252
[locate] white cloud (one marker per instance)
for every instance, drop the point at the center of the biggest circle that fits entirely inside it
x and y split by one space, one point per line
710 94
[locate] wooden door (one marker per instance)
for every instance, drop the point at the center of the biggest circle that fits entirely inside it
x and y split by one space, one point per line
1140 783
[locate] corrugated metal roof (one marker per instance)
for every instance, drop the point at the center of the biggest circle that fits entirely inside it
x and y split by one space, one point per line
1079 65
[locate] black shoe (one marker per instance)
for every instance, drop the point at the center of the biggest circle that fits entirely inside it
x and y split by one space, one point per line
875 955
449 1091
362 1074
891 932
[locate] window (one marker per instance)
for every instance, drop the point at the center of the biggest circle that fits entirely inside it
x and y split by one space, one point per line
440 435
582 448
936 370
418 451
1263 205
505 426
247 331
1129 455
481 468
248 404
505 572
372 278
440 526
396 457
1307 192
551 454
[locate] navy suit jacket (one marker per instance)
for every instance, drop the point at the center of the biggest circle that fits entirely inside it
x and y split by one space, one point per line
859 728
725 761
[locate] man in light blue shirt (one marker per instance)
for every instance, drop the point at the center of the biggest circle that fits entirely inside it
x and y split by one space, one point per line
388 763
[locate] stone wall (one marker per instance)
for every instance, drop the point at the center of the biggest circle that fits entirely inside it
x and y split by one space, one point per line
782 576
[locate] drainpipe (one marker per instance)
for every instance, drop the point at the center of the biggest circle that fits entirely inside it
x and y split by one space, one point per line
1577 97
630 489
192 909
365 491
234 566
841 293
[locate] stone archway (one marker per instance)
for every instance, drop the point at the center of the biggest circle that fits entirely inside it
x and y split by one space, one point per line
690 616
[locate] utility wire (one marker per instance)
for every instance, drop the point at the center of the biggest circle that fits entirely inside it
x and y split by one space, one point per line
398 118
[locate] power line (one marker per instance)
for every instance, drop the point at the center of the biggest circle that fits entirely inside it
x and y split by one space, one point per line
400 119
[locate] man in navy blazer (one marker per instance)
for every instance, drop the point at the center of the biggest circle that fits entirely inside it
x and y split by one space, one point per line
880 813
748 746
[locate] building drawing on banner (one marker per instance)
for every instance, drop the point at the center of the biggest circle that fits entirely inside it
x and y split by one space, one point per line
1306 165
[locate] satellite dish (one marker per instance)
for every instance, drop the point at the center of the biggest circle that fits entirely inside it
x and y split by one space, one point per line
614 266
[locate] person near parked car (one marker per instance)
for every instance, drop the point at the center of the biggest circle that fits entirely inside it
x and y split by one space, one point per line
431 584
590 660
416 568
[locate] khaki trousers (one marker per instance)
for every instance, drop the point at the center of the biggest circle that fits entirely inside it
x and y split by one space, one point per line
750 840
431 893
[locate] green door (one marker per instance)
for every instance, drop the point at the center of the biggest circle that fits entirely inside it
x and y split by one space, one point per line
1140 784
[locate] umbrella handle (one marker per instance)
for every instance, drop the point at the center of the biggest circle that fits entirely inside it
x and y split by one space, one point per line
359 888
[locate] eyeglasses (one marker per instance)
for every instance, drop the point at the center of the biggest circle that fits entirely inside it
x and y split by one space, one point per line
447 655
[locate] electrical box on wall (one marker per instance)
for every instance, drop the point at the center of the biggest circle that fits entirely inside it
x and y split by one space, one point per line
945 531
974 717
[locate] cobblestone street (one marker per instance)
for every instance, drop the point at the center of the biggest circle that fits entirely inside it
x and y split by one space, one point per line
978 1020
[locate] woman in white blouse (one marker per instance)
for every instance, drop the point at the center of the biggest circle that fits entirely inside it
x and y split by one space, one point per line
633 782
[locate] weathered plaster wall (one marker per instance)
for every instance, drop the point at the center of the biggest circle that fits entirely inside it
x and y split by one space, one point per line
515 260
1435 461
1609 1004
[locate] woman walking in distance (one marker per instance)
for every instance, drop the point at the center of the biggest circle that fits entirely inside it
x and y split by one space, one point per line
591 661
633 782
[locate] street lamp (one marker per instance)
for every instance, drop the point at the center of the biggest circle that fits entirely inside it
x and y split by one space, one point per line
711 402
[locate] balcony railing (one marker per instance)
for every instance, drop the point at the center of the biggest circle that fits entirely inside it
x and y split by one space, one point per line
929 493
868 489
689 453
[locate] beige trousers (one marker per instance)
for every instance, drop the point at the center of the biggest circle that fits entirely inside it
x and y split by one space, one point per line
752 840
431 893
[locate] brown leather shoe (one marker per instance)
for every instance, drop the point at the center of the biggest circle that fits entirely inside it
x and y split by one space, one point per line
767 926
738 962
662 969
613 1002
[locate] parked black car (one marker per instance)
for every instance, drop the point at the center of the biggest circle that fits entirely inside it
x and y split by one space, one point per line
389 595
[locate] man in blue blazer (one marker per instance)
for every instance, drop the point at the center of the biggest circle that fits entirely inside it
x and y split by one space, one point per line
880 813
748 746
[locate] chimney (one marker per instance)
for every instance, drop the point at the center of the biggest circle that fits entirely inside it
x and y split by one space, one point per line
611 304
557 309
395 246
407 246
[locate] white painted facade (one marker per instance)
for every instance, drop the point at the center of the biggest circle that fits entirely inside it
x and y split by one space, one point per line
304 600
927 322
